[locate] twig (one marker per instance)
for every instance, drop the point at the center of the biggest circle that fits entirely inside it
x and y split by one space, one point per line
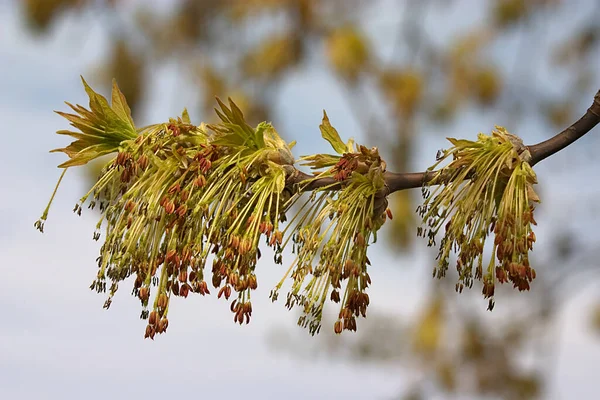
555 144
400 181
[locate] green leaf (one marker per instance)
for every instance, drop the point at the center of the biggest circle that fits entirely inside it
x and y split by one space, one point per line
233 120
102 128
461 143
229 139
86 155
114 125
330 134
318 161
119 104
185 117
350 146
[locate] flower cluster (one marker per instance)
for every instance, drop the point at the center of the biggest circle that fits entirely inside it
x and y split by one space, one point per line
176 193
177 197
486 188
331 237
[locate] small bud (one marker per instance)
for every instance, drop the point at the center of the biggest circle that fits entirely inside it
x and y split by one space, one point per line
183 276
335 296
170 207
170 255
163 202
337 327
184 290
360 239
184 195
389 213
149 332
144 294
129 205
252 283
153 318
163 325
181 210
200 181
203 288
163 300
142 161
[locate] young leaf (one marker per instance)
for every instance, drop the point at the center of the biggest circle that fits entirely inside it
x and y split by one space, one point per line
102 128
119 104
318 161
330 134
350 146
462 142
185 117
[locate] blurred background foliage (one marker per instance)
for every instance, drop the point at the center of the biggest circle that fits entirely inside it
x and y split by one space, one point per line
426 82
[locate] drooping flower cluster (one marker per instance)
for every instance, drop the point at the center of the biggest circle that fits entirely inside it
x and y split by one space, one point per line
486 188
176 193
330 239
178 196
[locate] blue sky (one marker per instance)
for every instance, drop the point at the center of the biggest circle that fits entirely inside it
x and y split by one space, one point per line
56 341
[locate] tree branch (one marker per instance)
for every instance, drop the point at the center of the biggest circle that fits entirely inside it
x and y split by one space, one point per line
400 181
555 144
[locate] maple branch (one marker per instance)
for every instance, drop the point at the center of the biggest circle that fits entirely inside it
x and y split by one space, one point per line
396 181
555 144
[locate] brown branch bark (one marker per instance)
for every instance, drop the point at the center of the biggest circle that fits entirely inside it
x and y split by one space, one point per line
400 181
555 144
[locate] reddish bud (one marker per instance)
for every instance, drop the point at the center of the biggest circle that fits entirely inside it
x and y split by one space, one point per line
153 318
252 283
174 188
170 207
181 210
337 327
163 202
163 325
170 255
163 300
335 296
184 290
389 213
149 332
203 288
360 239
142 162
144 294
184 195
129 205
183 276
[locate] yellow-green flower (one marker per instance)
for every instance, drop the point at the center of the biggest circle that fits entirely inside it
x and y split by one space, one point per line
331 236
176 194
486 188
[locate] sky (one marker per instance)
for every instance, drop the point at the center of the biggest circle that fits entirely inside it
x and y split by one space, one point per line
56 341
